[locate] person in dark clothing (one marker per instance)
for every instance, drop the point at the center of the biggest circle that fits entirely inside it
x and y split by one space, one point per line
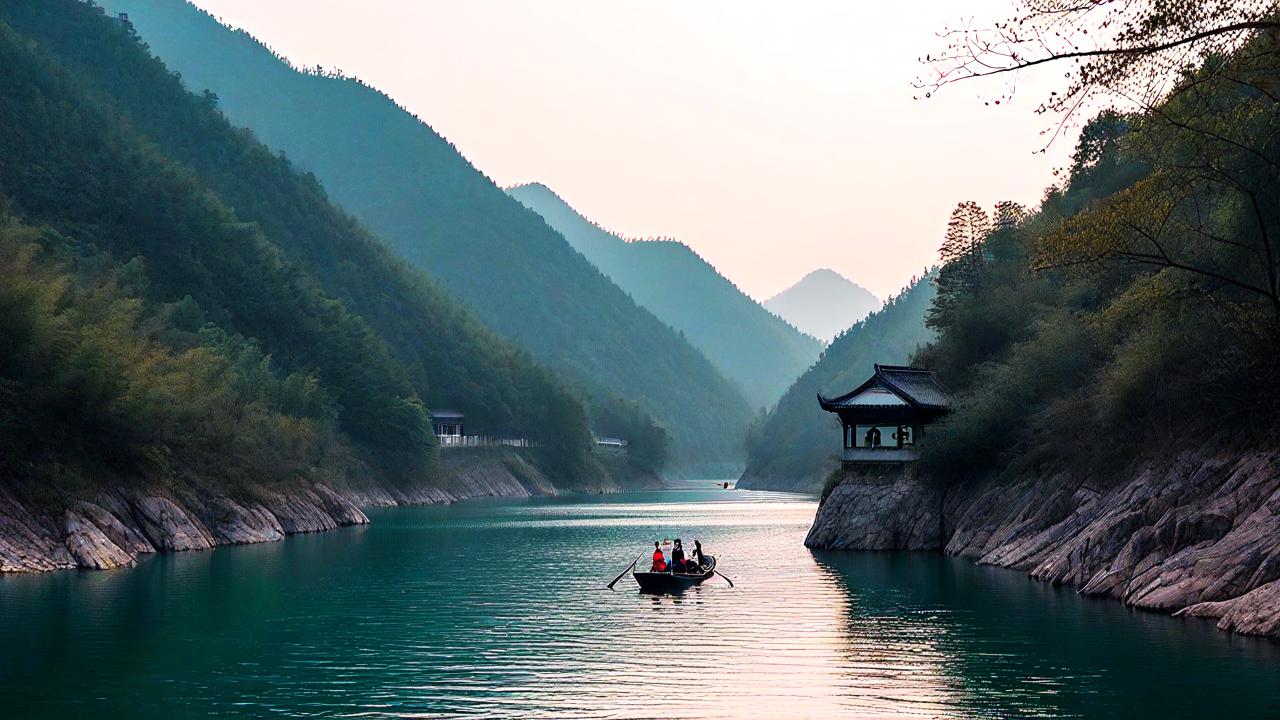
699 560
873 437
677 557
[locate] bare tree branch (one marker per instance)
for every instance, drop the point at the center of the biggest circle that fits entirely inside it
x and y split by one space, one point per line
1104 52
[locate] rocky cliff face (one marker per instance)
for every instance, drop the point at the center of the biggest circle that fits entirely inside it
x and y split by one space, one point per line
464 473
1198 535
114 527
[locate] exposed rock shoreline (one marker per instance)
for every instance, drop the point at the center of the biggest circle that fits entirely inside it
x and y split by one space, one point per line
1196 535
114 527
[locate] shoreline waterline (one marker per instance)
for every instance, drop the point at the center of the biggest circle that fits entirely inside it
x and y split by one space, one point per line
497 608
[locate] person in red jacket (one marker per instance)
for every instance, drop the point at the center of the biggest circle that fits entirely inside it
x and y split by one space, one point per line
659 560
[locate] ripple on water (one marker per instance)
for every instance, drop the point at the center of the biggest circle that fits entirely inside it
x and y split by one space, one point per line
497 610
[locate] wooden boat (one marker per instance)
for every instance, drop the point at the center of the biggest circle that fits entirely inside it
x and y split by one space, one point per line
666 582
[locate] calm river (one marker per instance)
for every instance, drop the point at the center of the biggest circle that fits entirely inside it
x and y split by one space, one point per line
497 609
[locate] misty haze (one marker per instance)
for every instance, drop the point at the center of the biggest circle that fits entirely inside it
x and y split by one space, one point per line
577 360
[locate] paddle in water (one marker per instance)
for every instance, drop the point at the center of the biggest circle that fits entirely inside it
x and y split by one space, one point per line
624 572
726 577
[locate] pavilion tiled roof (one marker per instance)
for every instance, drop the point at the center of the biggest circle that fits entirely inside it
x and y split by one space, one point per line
921 386
915 386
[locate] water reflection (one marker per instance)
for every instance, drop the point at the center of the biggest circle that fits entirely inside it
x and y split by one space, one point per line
1006 645
497 609
891 664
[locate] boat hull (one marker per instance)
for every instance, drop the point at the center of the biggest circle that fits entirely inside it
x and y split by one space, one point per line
666 583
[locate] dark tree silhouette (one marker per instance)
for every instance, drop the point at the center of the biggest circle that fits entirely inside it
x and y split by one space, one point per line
1134 50
962 256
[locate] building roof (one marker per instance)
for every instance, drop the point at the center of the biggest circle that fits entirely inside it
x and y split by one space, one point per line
920 384
445 415
916 387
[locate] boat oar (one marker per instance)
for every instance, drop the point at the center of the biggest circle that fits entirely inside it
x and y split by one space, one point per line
726 578
624 571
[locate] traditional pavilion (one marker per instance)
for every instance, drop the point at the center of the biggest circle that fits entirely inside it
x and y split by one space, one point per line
446 422
884 418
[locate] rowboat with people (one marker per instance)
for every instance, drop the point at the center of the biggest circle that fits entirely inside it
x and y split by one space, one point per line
671 571
673 582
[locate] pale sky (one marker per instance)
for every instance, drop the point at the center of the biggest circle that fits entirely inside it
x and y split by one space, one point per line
773 138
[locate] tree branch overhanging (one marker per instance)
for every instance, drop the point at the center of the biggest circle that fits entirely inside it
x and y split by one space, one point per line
1103 52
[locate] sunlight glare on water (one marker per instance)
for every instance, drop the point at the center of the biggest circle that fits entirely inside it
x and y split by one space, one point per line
498 609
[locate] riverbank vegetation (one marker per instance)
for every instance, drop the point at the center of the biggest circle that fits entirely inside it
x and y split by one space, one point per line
177 295
648 442
1138 306
95 379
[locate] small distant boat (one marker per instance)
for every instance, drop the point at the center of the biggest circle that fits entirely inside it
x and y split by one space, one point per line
665 582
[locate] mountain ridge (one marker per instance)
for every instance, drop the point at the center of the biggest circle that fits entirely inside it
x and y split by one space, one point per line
750 345
415 191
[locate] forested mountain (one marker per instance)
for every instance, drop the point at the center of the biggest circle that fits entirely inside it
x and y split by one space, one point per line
750 345
414 190
798 444
1139 306
172 286
823 303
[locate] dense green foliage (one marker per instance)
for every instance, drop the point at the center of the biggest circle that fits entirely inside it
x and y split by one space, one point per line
92 374
414 190
106 149
751 346
74 167
1138 307
796 445
647 441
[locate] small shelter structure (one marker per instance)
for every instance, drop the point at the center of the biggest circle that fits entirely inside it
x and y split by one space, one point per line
884 419
447 423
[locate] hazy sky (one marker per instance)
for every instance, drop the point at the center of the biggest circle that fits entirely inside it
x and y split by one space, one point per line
773 138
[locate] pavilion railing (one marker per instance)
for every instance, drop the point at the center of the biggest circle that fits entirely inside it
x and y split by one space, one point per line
880 454
475 441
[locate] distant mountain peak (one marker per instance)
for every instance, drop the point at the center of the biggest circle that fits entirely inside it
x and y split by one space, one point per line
823 303
825 271
822 274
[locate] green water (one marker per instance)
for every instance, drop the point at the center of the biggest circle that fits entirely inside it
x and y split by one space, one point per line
497 609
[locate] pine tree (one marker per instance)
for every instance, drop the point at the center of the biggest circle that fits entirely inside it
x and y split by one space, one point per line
962 249
963 255
1008 215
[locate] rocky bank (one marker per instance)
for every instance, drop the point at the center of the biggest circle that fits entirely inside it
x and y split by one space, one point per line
112 528
1197 534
